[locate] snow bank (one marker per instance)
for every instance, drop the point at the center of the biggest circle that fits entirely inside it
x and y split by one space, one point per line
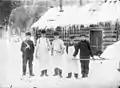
112 52
101 75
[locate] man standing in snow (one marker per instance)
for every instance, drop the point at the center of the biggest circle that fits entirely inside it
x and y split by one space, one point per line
27 48
57 52
85 53
42 53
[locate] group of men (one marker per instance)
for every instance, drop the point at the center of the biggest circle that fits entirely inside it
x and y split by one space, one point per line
56 49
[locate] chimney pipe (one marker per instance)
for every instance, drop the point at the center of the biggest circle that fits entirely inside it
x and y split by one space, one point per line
61 5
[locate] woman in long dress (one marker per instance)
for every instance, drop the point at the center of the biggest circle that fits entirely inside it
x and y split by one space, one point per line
57 52
42 53
72 65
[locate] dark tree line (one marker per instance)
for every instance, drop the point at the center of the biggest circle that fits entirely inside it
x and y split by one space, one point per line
6 7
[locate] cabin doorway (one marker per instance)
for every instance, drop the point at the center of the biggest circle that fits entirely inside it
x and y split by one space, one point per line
96 40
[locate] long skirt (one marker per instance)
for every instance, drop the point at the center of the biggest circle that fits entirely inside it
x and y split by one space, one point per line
72 65
44 61
58 61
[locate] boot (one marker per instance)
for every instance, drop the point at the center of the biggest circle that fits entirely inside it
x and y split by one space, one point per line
83 75
76 75
60 73
42 73
56 72
118 69
24 70
46 73
69 75
31 72
24 73
86 75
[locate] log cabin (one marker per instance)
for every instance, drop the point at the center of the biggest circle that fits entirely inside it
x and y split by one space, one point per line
99 36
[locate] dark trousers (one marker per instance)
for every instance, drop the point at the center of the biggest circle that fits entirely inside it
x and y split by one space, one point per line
84 67
29 60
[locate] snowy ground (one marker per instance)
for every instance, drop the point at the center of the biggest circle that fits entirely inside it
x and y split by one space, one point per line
101 75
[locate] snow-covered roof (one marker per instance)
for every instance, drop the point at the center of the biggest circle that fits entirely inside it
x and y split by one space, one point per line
52 18
85 15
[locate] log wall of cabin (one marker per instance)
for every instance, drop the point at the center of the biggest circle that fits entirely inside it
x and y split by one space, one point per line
74 31
109 36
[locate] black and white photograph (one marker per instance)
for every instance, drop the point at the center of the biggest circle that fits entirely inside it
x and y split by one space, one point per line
59 43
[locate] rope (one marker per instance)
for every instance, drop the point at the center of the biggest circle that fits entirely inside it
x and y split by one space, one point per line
93 59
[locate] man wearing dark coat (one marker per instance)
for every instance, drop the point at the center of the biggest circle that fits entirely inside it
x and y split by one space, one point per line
27 49
85 53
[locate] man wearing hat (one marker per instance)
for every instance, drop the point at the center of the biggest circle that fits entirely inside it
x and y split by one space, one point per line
57 52
27 49
85 53
42 53
72 65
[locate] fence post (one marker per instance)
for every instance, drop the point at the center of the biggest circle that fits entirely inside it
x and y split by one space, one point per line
1 32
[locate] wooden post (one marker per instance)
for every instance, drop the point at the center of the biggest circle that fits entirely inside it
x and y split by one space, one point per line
119 67
117 29
46 3
119 64
81 2
61 5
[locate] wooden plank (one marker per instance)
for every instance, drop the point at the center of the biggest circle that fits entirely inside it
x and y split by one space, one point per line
107 43
109 36
84 32
86 29
109 32
109 39
107 29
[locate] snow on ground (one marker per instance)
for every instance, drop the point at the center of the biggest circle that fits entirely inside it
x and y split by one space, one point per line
3 59
101 75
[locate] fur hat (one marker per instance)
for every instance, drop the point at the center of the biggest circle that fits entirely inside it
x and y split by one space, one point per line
28 33
56 33
43 31
72 37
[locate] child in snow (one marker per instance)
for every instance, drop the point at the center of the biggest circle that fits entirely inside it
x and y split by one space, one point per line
72 67
27 49
57 52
